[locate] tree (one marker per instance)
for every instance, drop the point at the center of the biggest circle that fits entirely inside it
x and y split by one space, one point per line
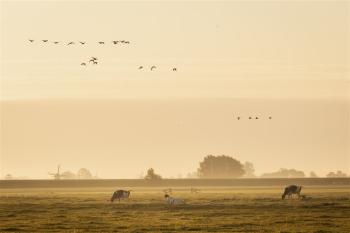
284 173
222 166
339 174
84 173
313 175
249 170
151 175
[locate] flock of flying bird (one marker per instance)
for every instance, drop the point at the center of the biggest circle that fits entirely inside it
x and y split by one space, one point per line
94 60
253 118
84 42
154 67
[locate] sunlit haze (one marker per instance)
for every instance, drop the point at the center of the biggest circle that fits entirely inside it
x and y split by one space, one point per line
280 59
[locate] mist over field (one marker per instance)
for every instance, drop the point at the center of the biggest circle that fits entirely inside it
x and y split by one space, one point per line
123 138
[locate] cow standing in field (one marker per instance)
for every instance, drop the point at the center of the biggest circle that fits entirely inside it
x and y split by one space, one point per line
290 190
173 201
119 194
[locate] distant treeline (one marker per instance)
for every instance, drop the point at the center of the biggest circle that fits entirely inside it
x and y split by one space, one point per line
224 166
212 167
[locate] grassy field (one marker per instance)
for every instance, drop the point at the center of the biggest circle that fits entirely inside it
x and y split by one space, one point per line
216 209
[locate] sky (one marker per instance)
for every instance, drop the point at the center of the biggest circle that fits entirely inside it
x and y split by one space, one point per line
288 59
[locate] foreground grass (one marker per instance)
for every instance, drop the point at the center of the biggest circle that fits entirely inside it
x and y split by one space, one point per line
211 210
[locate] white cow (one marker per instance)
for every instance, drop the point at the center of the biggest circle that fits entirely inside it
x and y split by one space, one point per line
173 201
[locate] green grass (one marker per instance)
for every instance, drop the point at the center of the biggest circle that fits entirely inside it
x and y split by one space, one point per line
211 210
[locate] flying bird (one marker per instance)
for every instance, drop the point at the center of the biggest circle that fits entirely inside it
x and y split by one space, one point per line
82 42
270 117
101 42
56 42
45 40
238 118
31 40
93 59
95 62
127 42
140 67
256 118
174 69
70 43
115 42
250 118
83 64
153 67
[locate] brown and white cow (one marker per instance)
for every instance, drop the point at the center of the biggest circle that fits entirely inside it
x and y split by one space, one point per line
290 190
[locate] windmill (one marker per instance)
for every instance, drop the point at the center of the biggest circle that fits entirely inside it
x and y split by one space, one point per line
56 176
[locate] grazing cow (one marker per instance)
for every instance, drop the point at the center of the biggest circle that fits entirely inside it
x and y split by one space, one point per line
290 190
173 201
119 194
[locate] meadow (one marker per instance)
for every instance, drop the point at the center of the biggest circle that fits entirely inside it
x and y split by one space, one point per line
213 209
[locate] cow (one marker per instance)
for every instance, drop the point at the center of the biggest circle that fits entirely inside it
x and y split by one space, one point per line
173 201
119 194
290 190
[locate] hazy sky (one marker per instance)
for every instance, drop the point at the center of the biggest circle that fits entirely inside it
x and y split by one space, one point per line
289 59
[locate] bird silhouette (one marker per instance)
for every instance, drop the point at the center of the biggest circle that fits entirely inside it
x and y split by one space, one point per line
174 69
93 59
122 41
270 117
70 43
95 62
101 42
250 118
256 118
31 40
140 67
238 118
56 42
127 42
82 42
115 42
45 40
153 67
83 64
